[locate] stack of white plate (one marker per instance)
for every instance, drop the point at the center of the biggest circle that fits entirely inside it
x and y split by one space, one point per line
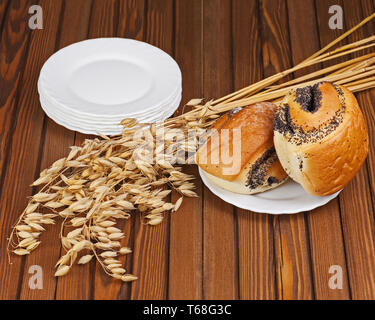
92 85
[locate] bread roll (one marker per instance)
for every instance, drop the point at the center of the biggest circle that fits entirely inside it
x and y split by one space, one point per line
321 137
251 165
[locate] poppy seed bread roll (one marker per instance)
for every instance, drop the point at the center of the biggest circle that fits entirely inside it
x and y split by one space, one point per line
251 165
321 137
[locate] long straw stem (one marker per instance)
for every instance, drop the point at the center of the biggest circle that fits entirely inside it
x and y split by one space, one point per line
342 37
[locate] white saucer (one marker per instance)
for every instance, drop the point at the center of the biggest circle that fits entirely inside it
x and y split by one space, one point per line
288 198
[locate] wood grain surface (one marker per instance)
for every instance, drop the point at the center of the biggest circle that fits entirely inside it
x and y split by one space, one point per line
185 279
208 249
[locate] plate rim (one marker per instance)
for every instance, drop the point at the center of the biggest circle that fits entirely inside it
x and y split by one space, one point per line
272 212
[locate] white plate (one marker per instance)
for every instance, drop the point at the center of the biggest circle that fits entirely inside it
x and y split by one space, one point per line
89 123
67 115
110 76
288 198
72 113
82 130
99 128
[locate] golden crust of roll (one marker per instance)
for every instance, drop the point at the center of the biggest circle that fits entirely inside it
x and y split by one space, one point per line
321 137
251 165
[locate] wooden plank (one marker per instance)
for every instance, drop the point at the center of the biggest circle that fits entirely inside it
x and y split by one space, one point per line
104 20
3 11
355 200
303 44
13 50
56 144
368 7
324 225
25 143
103 23
220 263
275 36
130 24
185 251
57 140
327 244
291 241
74 28
255 234
131 19
150 257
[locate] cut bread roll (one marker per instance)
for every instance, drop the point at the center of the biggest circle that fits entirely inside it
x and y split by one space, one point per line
321 137
239 154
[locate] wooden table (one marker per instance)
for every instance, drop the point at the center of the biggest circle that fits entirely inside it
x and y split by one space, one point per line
209 249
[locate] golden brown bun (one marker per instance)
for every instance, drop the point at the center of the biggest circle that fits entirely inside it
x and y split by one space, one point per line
254 167
321 137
